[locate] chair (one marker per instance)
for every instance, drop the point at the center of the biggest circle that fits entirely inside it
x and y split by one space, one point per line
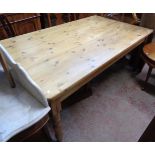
7 26
148 55
73 16
136 62
148 20
131 19
23 109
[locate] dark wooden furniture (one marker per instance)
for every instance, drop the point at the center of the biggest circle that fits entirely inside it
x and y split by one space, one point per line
6 70
147 20
40 125
131 18
7 26
60 18
20 23
148 56
149 133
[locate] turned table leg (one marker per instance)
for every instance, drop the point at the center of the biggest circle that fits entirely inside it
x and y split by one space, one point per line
6 70
56 109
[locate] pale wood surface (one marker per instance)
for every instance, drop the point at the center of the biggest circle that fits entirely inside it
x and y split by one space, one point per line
61 59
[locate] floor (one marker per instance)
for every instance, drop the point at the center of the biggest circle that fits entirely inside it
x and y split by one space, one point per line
118 110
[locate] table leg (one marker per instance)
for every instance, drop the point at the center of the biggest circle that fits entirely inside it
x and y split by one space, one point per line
6 70
56 109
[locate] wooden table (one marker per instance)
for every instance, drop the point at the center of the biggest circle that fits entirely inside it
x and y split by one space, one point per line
63 58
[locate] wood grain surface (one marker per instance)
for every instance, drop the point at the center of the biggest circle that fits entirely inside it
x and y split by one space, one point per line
63 58
149 51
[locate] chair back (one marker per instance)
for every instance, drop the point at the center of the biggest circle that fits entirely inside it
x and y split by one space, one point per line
7 57
25 80
7 26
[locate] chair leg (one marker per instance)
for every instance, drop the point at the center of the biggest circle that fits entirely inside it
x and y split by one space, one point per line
147 77
6 70
49 132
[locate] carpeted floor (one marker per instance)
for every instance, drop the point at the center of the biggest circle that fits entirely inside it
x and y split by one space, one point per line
118 110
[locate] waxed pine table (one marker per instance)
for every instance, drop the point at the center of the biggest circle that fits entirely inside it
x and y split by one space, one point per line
63 58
